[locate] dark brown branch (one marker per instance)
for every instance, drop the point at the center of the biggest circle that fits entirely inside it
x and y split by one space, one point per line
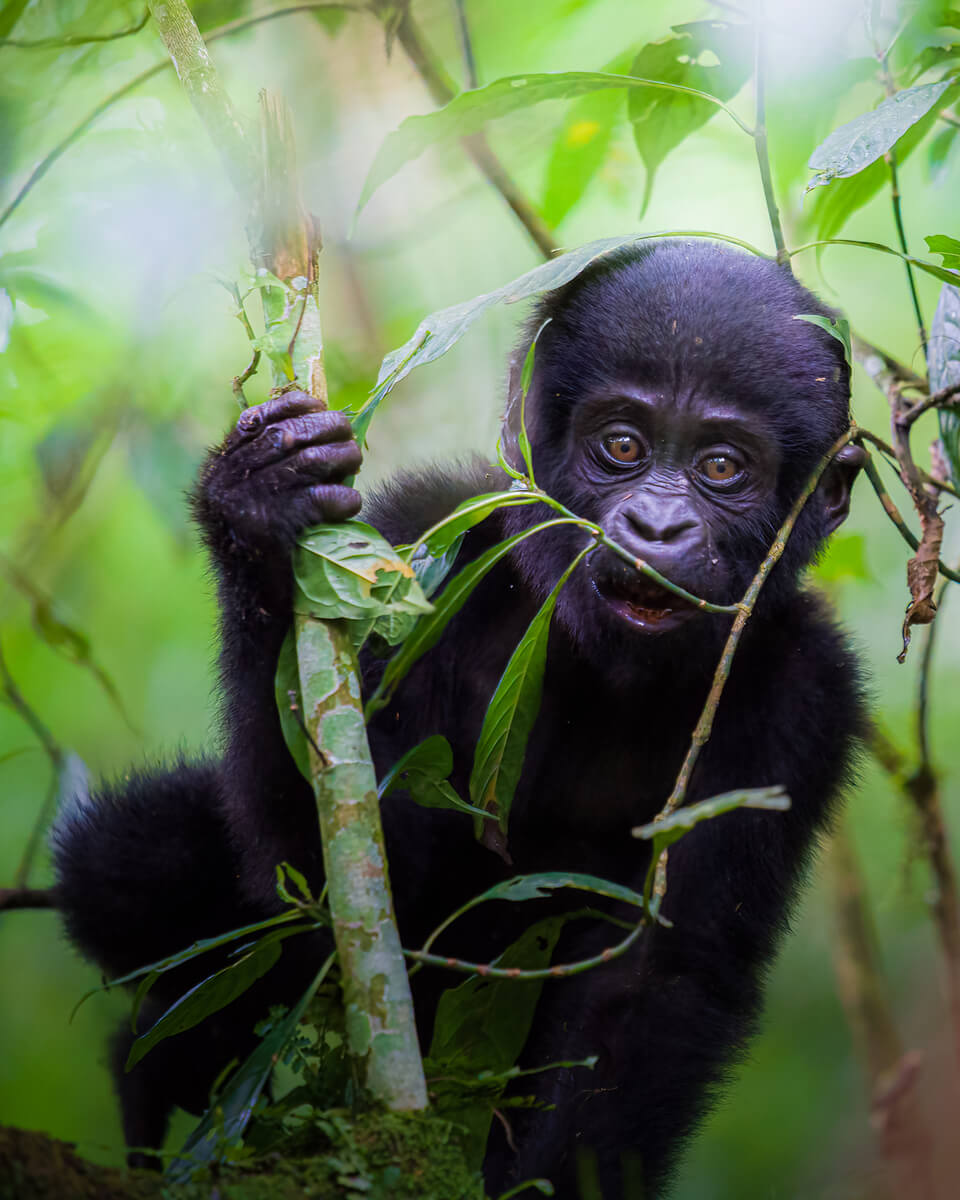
945 396
442 90
17 898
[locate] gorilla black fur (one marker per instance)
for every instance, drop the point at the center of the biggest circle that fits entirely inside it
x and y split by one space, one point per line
677 402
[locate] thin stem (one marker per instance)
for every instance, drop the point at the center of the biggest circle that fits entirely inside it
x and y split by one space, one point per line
701 734
44 165
902 239
442 90
760 141
16 898
946 395
466 43
945 276
929 480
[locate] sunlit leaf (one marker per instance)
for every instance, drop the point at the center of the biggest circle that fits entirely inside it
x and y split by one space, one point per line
662 120
469 111
943 364
351 571
868 137
947 247
501 747
837 327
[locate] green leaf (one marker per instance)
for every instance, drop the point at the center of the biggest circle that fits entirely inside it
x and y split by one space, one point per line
212 994
536 887
943 368
442 536
10 14
581 146
833 206
662 120
440 331
227 1117
469 111
483 1024
947 247
672 828
288 874
432 569
866 138
423 772
837 327
501 747
287 692
428 631
351 571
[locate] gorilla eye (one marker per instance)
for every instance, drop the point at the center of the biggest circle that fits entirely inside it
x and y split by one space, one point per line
622 447
719 468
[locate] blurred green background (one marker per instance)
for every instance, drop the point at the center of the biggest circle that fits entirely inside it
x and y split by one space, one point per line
115 375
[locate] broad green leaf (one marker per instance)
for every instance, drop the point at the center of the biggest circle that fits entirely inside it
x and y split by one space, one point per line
469 111
10 14
440 331
422 772
837 327
866 138
943 369
287 692
947 247
428 631
501 747
930 57
662 120
483 1024
581 146
227 1117
212 994
349 570
833 206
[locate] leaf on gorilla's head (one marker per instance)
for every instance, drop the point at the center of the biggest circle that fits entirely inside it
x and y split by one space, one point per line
661 120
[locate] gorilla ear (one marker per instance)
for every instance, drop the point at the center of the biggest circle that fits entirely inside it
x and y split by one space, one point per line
834 487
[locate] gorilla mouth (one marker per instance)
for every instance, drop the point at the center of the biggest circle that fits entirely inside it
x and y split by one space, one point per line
644 604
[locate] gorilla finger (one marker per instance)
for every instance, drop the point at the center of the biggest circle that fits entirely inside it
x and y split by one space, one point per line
330 462
280 441
333 502
291 404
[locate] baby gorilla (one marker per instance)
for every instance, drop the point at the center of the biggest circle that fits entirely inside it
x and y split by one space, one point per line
677 403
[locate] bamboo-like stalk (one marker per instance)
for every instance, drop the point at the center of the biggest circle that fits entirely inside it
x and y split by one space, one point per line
379 1010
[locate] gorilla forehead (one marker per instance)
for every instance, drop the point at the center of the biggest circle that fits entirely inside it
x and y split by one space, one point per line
693 317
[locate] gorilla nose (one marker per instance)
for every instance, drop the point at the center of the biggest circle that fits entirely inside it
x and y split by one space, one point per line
661 522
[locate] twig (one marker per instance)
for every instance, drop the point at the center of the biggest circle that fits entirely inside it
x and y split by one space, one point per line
929 480
890 88
945 396
16 898
891 1073
870 469
878 363
76 39
442 90
760 142
466 43
44 165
